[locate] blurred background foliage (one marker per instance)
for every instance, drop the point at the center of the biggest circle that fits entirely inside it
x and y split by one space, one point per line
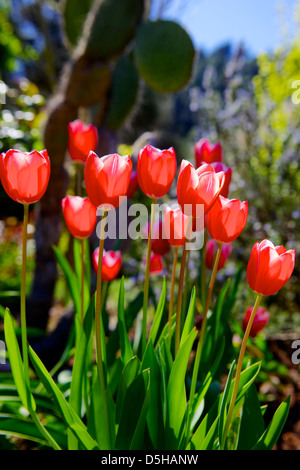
244 102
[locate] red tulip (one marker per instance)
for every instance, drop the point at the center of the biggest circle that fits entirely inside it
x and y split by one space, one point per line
159 244
24 175
261 318
227 219
81 139
111 263
133 185
198 186
220 167
156 264
207 152
80 216
175 226
156 170
211 248
107 179
269 267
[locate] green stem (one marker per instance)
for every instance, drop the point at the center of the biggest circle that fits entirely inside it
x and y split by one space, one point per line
203 267
201 337
186 284
171 303
82 282
239 370
146 282
180 289
100 368
34 417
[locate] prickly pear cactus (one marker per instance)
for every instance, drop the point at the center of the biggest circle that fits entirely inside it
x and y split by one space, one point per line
164 55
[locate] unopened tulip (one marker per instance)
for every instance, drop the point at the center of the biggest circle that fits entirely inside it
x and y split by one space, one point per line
107 179
111 264
25 176
207 152
269 267
156 170
80 216
261 318
196 187
156 264
211 249
227 219
175 226
82 138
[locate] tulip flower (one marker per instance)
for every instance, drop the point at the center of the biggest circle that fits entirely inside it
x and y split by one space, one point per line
260 320
196 187
211 248
111 264
269 267
80 216
220 167
207 152
175 226
227 219
268 270
25 176
107 179
82 138
160 245
156 264
156 171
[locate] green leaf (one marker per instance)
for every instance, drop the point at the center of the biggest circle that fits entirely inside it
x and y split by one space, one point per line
189 321
224 402
155 415
70 277
176 391
80 361
129 373
130 433
67 413
252 422
207 430
126 349
158 314
273 431
16 362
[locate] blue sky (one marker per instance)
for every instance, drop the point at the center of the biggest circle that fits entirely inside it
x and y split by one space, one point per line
260 24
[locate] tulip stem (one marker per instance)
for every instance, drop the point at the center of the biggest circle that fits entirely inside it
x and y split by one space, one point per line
98 328
33 415
146 282
201 336
23 294
180 289
239 370
203 267
82 282
171 303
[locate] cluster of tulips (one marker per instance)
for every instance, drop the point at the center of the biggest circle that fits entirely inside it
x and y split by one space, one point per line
108 181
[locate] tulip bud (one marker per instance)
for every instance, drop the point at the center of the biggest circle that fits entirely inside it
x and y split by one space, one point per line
111 264
269 267
80 216
207 152
261 318
211 249
156 171
82 138
227 219
25 176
